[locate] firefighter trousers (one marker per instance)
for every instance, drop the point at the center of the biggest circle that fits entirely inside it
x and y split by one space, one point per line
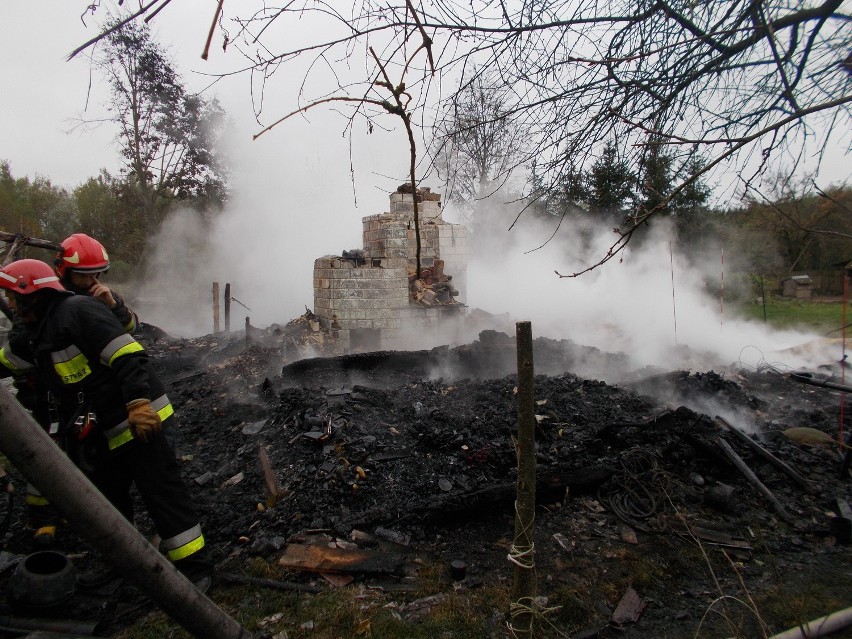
153 468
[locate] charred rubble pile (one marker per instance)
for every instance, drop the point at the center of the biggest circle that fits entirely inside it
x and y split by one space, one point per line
379 441
415 450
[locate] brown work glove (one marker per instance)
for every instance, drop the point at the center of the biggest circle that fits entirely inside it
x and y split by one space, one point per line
144 421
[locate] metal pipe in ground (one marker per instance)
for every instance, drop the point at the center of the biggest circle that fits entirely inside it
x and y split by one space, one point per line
40 460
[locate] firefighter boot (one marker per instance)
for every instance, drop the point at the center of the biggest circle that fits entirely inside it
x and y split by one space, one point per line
42 519
44 537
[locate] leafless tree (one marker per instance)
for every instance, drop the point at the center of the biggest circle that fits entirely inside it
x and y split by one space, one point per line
475 146
758 82
810 229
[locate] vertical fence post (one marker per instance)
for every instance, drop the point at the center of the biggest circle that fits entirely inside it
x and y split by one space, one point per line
522 553
215 307
227 307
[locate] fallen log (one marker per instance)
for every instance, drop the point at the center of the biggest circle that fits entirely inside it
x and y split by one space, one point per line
552 485
760 450
806 378
29 241
737 461
272 584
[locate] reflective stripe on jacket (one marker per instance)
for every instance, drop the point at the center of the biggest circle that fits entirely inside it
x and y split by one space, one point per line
14 364
83 354
34 497
72 366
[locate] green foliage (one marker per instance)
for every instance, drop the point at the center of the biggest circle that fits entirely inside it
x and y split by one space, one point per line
611 182
825 318
807 230
20 201
572 193
168 137
34 208
655 184
350 612
660 173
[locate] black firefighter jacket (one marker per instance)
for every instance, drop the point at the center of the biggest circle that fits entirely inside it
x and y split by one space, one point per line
88 361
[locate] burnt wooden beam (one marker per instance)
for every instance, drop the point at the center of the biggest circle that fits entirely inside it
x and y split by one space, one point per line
765 454
552 485
272 584
731 454
275 491
29 241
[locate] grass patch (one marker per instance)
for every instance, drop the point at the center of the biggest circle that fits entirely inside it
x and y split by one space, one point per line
825 318
355 611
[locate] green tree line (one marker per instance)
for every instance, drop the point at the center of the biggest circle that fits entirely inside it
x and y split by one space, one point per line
103 207
167 141
794 227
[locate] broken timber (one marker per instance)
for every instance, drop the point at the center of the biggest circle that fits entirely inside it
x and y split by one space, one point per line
552 484
737 461
275 491
272 584
324 559
807 379
760 450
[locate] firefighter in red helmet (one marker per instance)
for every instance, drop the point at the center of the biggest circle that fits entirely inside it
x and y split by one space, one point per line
110 403
80 264
42 516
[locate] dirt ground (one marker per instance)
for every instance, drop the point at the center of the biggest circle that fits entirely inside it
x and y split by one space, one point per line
638 502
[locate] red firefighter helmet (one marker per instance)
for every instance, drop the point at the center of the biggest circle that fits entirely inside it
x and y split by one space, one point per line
28 276
81 254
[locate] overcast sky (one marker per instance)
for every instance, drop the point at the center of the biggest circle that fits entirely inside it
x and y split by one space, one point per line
294 199
45 97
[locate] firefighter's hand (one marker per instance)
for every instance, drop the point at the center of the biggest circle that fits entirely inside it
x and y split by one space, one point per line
144 421
102 292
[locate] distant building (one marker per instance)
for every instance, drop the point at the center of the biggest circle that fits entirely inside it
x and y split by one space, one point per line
799 286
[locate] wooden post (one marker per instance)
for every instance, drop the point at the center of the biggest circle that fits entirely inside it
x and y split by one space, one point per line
248 328
227 307
215 307
522 553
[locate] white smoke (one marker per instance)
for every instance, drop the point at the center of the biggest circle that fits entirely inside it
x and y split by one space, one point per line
288 207
650 302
